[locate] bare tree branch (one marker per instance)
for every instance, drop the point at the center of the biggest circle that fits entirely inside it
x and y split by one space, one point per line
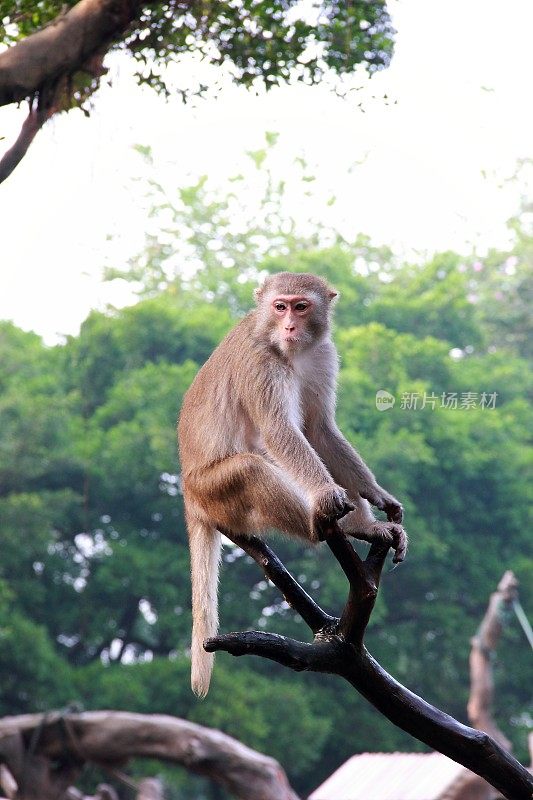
340 651
17 151
111 738
38 67
275 570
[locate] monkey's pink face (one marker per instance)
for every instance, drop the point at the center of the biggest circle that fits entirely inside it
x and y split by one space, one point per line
292 314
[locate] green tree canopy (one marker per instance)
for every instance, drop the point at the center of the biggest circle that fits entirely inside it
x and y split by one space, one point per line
259 40
94 585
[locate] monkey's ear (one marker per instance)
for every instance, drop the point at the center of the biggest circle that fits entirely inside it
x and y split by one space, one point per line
332 294
258 292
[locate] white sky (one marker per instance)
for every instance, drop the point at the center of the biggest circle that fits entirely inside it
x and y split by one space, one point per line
433 161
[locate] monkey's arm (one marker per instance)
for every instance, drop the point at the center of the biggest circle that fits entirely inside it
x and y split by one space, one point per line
349 470
288 447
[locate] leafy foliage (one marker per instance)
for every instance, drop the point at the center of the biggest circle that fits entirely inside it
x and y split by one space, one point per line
94 586
258 43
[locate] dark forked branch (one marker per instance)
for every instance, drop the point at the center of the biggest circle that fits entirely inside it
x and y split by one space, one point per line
294 594
338 649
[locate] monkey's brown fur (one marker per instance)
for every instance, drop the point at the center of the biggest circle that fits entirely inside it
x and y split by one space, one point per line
259 446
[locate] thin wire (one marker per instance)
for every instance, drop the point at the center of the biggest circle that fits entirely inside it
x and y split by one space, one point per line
524 622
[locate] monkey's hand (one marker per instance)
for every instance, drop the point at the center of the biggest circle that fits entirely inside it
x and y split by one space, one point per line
330 503
389 533
381 499
394 535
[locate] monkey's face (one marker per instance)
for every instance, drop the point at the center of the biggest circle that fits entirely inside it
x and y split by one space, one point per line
293 310
293 319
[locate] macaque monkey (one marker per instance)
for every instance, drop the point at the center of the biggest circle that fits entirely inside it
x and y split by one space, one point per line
260 449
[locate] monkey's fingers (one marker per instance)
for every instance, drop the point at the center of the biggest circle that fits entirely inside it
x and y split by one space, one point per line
399 543
394 512
385 502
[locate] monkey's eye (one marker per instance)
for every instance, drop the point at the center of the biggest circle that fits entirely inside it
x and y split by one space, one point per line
280 306
301 306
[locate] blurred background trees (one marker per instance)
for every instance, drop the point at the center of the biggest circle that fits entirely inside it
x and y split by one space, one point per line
94 585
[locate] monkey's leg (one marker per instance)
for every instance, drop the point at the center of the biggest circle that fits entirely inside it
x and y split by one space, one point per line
361 524
247 494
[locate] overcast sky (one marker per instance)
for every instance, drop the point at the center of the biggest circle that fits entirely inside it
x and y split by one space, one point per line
432 160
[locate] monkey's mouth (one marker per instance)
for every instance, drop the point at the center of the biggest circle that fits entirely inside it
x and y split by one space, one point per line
288 341
291 338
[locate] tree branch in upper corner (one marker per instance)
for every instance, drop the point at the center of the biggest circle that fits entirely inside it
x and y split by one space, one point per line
63 46
37 68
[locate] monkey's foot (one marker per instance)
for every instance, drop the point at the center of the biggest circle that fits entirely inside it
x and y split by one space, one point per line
390 533
325 526
330 503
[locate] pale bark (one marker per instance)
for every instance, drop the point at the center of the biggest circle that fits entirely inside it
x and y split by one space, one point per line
111 738
103 792
7 782
479 706
150 789
484 644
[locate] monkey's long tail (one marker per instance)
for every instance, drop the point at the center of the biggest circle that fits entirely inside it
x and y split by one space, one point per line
205 545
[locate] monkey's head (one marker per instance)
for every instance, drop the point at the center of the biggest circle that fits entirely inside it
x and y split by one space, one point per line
294 309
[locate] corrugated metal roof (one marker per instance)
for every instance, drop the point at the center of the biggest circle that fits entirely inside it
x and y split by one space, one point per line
391 776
